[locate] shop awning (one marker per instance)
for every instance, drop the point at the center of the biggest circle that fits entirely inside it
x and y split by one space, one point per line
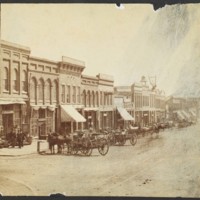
124 114
6 101
69 113
180 115
186 114
193 112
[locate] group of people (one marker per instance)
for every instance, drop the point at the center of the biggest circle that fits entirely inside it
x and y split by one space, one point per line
16 138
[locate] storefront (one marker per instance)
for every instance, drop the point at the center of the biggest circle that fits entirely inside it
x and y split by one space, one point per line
71 119
13 115
124 118
42 121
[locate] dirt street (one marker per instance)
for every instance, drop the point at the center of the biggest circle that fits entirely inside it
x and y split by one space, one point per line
167 165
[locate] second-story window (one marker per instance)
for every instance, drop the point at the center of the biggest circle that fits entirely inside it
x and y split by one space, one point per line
41 90
68 94
74 94
16 80
63 93
6 79
79 95
24 81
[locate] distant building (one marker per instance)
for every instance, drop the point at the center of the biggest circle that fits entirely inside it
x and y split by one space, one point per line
124 108
149 103
181 108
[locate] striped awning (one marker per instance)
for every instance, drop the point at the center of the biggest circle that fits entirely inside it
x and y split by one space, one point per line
69 113
185 114
180 115
124 114
193 112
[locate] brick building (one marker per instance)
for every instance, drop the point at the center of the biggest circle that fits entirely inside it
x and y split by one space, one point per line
43 80
41 95
98 101
124 107
149 103
13 87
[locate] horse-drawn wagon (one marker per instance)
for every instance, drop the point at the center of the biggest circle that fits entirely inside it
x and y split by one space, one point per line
119 137
85 142
79 142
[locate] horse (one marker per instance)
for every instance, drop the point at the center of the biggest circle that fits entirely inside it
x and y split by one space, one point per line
59 140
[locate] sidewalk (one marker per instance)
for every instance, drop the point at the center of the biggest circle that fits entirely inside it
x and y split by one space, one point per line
25 150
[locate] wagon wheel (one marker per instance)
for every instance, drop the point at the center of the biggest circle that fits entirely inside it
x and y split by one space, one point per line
103 146
122 140
74 149
133 139
69 148
112 140
87 147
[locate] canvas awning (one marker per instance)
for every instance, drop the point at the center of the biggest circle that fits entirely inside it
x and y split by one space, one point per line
186 114
193 113
180 115
69 113
124 114
6 101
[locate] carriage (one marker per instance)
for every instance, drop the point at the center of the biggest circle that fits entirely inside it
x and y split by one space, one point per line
85 142
119 137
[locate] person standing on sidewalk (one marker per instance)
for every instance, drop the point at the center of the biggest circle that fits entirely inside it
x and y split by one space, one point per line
20 139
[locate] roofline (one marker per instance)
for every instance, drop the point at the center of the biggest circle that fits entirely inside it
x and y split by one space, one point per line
42 59
14 45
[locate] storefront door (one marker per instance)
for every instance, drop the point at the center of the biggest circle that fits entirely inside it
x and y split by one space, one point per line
42 130
7 123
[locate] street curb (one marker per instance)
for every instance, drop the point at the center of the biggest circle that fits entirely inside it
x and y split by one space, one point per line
18 155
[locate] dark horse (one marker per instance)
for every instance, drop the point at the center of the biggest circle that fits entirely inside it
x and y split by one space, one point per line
59 140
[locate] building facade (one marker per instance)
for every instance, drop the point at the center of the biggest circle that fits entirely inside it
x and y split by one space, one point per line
43 80
40 96
149 103
180 108
97 98
124 107
13 87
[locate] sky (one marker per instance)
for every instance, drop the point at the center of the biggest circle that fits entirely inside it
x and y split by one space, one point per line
126 43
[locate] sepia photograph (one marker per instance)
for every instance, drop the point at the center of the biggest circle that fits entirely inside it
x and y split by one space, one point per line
100 100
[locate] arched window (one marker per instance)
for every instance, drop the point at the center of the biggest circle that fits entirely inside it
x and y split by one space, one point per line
41 90
78 94
93 98
74 94
55 91
15 80
48 91
33 90
88 99
68 94
101 98
24 81
97 99
5 79
84 98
